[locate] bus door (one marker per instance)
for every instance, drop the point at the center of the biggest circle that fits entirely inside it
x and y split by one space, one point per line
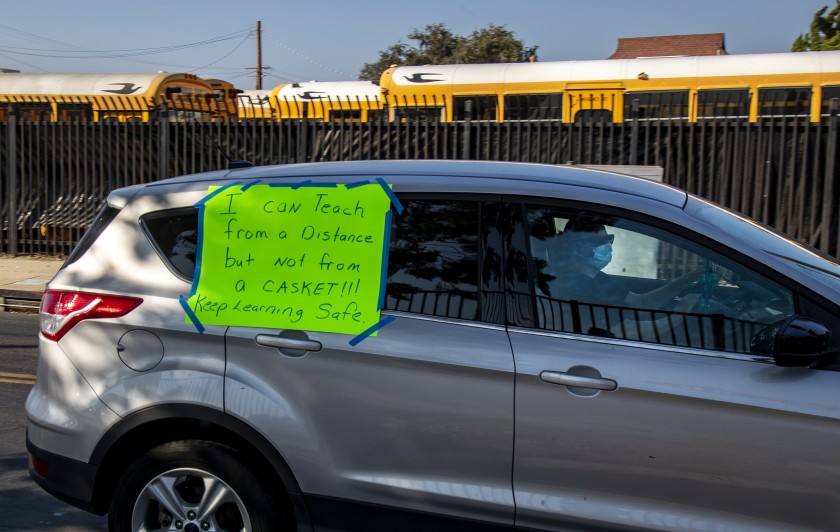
594 102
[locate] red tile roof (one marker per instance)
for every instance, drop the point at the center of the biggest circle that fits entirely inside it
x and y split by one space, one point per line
670 45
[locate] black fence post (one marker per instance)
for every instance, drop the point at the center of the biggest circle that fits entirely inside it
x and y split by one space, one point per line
829 204
467 138
11 176
163 143
634 133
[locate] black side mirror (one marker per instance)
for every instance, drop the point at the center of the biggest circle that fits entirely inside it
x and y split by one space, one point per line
796 341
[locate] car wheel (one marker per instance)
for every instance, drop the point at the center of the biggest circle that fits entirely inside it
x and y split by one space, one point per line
193 486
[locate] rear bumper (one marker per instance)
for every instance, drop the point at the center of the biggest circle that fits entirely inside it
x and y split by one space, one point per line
66 479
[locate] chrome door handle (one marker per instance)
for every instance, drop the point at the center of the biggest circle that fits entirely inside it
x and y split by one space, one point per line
270 340
556 377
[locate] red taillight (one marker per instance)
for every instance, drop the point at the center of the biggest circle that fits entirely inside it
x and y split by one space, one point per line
41 467
61 310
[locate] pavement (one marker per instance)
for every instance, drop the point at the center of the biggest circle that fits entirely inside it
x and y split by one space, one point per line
24 277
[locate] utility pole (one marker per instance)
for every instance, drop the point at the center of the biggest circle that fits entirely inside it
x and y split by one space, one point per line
259 56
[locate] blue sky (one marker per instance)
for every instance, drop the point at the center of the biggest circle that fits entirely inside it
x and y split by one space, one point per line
330 40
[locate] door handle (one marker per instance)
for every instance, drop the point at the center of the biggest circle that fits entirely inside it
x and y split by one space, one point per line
565 379
270 340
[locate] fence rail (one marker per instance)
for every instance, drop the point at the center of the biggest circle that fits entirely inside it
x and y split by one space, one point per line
55 176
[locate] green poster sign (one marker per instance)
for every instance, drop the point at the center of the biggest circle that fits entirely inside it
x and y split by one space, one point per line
292 257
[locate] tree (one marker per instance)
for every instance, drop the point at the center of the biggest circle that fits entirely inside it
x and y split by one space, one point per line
438 46
824 34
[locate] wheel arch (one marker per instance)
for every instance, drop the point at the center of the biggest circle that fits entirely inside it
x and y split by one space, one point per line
160 424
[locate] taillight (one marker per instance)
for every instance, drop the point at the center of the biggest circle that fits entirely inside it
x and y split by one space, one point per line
61 310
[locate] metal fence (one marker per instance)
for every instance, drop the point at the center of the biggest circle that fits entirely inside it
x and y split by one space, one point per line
55 176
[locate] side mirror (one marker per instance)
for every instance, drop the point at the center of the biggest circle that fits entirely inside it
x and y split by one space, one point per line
796 341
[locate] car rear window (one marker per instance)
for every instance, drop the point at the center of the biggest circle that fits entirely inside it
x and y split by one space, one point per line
175 235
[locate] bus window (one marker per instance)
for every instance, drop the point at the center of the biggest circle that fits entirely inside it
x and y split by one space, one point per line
659 105
418 114
593 116
534 106
74 112
376 115
345 115
33 111
483 107
784 101
723 103
830 93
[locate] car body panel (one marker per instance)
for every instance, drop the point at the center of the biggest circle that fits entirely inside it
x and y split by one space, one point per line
419 416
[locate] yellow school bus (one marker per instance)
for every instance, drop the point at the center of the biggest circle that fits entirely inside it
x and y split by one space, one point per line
747 87
98 97
327 101
255 105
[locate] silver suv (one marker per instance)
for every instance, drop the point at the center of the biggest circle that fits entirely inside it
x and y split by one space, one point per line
420 344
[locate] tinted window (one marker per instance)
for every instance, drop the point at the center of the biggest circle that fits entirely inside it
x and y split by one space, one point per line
656 105
74 112
482 107
828 94
33 111
175 234
534 106
432 265
723 103
418 114
346 115
784 101
433 262
608 276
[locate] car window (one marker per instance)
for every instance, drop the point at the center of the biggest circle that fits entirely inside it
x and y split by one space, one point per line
608 276
175 234
433 261
432 265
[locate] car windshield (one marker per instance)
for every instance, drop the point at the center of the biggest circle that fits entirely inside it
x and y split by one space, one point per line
813 262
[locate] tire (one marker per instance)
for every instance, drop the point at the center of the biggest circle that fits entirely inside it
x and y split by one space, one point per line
173 483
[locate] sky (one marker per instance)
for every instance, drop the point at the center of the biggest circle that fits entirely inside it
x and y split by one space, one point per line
331 40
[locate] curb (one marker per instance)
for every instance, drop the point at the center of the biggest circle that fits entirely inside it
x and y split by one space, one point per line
20 299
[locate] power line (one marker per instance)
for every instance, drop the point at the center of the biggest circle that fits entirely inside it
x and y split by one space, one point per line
307 58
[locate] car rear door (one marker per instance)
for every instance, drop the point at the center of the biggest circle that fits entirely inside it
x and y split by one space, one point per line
656 424
415 423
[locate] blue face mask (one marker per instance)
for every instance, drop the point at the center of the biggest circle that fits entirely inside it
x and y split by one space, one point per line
601 256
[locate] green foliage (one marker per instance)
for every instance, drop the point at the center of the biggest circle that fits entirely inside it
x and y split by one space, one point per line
436 45
824 33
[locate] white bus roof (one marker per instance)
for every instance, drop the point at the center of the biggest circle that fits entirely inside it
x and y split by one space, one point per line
87 84
620 69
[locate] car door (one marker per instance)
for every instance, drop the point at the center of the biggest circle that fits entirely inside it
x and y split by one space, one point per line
415 423
659 417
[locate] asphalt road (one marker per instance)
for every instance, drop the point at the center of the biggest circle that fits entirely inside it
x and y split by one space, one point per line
23 505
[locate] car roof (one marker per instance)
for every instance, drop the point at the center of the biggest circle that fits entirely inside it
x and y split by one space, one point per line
504 171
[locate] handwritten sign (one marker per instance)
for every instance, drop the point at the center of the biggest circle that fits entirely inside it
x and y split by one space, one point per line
303 257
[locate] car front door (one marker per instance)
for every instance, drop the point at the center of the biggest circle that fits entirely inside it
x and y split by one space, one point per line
415 422
657 416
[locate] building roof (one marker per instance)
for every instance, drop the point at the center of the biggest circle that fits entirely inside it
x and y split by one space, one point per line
670 46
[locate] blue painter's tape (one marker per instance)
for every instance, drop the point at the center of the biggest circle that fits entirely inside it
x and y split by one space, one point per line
306 183
249 185
357 184
199 244
383 273
372 329
394 200
191 315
